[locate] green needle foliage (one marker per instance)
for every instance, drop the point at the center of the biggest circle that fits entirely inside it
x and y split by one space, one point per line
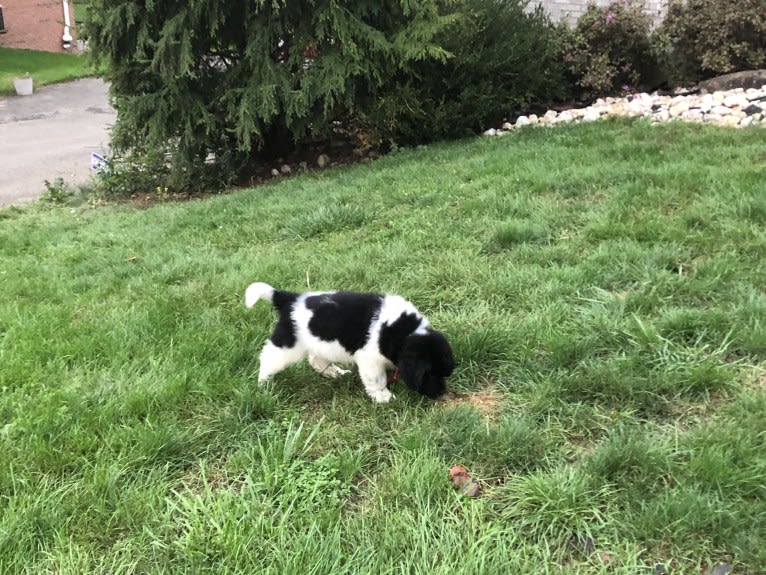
230 81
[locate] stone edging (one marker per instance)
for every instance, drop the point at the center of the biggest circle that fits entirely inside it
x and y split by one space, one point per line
735 108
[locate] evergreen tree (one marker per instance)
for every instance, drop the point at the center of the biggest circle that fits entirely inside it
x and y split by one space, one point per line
236 80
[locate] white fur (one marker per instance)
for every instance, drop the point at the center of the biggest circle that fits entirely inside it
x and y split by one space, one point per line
257 291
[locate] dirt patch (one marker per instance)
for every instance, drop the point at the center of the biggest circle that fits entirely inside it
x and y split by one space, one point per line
758 377
486 401
753 379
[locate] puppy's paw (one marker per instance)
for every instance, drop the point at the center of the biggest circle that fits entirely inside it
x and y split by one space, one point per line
326 368
333 371
382 396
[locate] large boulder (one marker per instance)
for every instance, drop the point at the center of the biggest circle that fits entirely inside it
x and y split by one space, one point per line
746 79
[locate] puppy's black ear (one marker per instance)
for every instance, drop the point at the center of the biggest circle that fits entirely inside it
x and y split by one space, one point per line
424 362
444 362
412 371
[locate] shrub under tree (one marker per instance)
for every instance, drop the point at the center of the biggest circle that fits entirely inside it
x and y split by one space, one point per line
502 60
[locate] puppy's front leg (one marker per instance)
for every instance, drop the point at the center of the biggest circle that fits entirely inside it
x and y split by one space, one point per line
374 378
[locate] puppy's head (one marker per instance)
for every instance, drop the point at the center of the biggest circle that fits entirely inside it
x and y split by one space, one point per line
425 361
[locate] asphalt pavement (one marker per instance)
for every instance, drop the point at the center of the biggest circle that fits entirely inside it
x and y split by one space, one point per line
51 134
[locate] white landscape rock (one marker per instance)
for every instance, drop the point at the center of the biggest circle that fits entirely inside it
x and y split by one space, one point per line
706 103
730 121
323 160
679 108
720 110
732 108
738 100
591 115
522 121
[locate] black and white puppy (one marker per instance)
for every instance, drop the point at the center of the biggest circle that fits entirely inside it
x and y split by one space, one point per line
377 332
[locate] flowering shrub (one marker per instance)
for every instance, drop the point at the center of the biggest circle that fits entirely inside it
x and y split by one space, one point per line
710 37
608 49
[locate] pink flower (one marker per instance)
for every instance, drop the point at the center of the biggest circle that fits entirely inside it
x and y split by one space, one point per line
610 17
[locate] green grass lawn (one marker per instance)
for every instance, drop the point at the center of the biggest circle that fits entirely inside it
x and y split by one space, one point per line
602 286
44 67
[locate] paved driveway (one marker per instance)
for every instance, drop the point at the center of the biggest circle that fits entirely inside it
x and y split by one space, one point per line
51 134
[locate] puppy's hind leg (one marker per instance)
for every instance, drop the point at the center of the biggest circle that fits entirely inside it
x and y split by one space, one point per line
326 368
274 359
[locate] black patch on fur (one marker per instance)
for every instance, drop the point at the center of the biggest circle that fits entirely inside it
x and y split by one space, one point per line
283 301
344 317
284 331
392 335
425 361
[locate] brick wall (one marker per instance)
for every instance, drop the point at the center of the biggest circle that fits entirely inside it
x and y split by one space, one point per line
570 10
35 24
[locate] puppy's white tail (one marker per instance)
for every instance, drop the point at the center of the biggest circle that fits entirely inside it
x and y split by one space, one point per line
257 291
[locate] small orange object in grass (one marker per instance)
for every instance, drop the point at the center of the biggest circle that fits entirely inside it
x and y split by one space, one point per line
463 481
